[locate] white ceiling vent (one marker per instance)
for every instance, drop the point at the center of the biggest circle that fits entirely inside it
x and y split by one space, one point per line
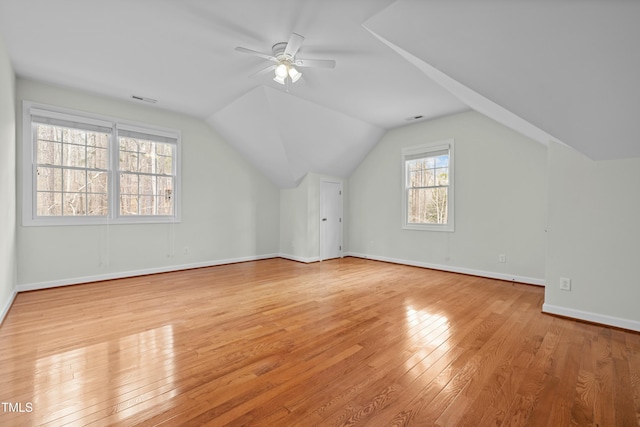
145 99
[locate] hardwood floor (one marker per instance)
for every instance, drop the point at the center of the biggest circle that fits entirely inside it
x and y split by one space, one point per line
280 343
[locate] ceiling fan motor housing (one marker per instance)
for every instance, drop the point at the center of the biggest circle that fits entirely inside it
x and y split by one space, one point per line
278 52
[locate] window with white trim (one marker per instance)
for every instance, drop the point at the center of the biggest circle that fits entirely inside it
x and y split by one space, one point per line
85 169
146 173
428 186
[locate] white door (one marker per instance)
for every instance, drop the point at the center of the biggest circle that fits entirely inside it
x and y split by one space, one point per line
330 219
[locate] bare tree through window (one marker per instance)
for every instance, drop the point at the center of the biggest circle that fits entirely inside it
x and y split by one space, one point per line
146 177
72 171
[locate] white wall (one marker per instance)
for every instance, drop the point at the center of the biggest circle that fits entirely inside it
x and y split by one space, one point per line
500 201
594 238
294 222
229 210
7 182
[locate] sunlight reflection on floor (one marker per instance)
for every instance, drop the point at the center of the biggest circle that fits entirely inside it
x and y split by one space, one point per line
430 333
132 363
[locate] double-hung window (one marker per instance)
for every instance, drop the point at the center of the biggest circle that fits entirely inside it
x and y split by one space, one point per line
71 170
146 166
428 186
86 169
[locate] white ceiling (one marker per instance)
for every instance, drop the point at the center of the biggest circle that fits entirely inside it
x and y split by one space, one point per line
564 70
569 67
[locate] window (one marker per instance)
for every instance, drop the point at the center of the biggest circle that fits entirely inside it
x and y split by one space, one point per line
85 169
145 168
71 168
428 186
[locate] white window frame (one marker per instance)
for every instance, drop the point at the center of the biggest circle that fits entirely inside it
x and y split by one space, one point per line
29 163
427 150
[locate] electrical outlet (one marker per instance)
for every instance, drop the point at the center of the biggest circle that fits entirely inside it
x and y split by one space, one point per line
502 258
186 250
565 284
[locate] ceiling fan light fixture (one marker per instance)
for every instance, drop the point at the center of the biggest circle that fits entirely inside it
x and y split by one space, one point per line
294 74
282 71
284 56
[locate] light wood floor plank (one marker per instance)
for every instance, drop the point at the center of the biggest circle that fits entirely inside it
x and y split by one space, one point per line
341 342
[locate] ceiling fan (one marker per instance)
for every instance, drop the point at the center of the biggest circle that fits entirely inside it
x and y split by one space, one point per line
286 64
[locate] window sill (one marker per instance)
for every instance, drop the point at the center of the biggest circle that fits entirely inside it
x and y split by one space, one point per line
429 227
50 222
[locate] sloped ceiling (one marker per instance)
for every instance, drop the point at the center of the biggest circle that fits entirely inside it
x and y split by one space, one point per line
563 70
569 68
295 136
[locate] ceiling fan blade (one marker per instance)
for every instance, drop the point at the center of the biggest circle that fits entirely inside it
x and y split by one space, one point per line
318 63
255 53
294 43
263 71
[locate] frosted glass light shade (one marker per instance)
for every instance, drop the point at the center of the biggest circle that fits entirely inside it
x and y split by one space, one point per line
294 74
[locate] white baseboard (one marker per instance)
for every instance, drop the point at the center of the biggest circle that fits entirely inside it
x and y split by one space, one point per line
133 273
602 319
453 269
7 306
298 258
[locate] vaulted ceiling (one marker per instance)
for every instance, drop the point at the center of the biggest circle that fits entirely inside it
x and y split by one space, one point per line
562 70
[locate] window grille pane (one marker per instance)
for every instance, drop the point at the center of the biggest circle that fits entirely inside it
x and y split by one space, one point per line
74 155
441 176
98 140
164 164
165 204
420 175
74 204
97 204
128 144
98 182
164 149
49 204
128 184
74 180
442 161
97 158
146 159
49 152
128 205
48 133
147 185
49 179
164 186
147 205
128 161
74 136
